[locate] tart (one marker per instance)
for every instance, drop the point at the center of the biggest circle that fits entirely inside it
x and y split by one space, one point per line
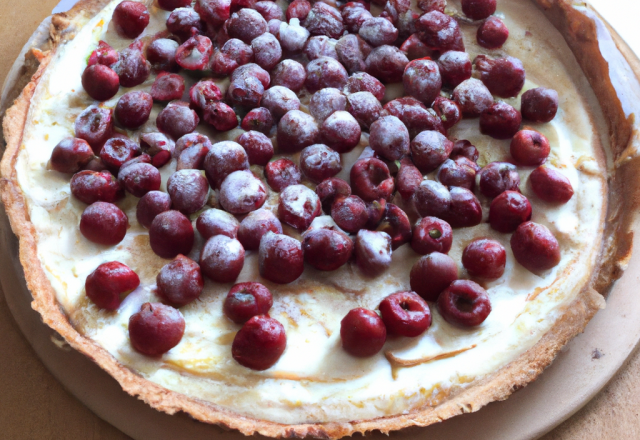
330 380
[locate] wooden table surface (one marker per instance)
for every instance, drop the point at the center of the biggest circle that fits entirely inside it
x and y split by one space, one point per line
33 405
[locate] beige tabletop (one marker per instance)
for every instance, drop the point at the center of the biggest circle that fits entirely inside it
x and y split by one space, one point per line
33 405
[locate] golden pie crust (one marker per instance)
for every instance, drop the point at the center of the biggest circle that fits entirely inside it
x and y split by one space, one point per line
587 37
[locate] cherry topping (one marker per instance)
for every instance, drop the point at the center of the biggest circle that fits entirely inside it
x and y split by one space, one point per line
492 33
362 332
350 213
373 252
363 82
130 19
325 102
150 205
133 109
448 111
213 12
484 258
92 186
282 173
255 225
539 104
440 32
204 93
464 303
259 343
188 190
429 149
170 234
222 259
320 46
242 192
319 162
110 283
139 178
364 107
132 67
371 180
279 100
182 20
341 131
464 148
376 210
232 54
389 137
167 87
503 76
269 10
217 222
292 36
100 82
246 24
194 54
535 247
104 223
550 185
387 63
432 198
117 151
290 74
70 155
500 121
246 300
408 178
478 9
498 177
455 67
161 53
177 119
330 190
422 80
414 115
431 234
180 281
220 116
258 119
508 211
432 274
298 9
324 19
396 223
473 97
280 258
325 72
326 249
298 206
354 14
460 172
104 54
405 314
94 125
267 51
296 130
378 31
156 329
529 147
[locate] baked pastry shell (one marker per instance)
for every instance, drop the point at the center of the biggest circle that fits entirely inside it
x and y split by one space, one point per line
609 66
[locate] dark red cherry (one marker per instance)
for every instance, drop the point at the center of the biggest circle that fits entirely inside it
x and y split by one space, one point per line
170 234
350 213
497 177
389 137
130 19
110 283
280 258
194 54
362 332
432 274
133 109
326 249
484 258
246 300
529 147
255 225
139 178
94 125
464 303
298 206
535 247
150 205
70 155
500 121
431 234
100 82
180 281
373 252
259 343
492 33
319 162
156 329
396 223
177 119
405 314
217 222
550 185
330 190
508 211
478 9
539 104
242 192
104 223
167 87
371 180
93 186
282 173
222 259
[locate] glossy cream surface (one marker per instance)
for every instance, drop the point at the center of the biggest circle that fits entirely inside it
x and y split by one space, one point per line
315 380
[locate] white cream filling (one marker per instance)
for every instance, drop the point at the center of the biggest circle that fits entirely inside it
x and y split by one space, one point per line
315 380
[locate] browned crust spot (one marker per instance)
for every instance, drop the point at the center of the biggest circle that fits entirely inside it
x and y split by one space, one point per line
579 32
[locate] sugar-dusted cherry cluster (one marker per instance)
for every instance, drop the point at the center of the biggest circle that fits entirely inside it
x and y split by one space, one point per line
342 56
